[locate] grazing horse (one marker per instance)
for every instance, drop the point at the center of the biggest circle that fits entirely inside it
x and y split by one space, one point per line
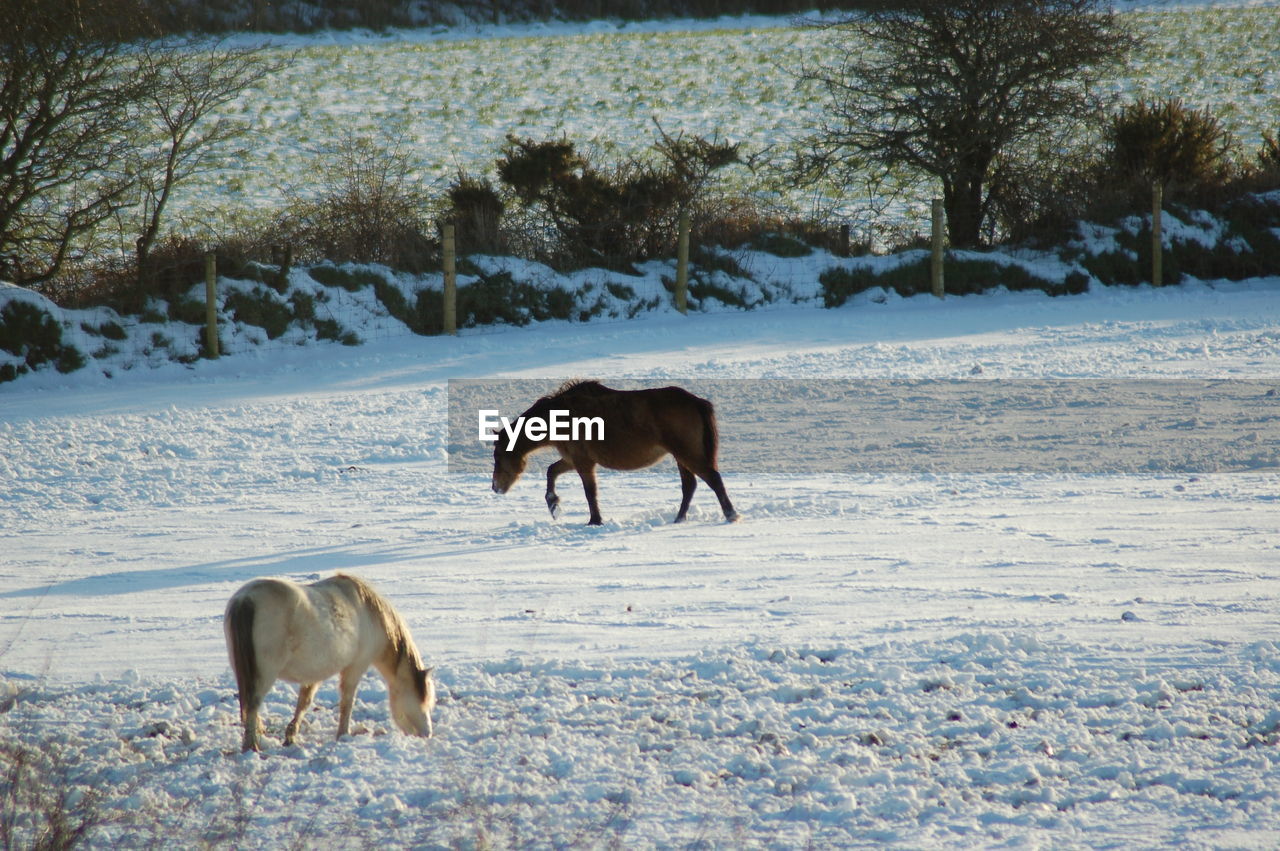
277 629
641 427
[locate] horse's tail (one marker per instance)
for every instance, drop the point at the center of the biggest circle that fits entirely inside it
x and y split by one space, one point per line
244 658
710 432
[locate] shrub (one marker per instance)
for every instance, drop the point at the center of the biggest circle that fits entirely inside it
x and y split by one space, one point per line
1037 198
41 804
109 329
303 305
701 288
1187 150
966 277
840 284
622 292
780 245
612 216
36 337
1263 174
609 218
189 310
712 261
330 329
175 263
367 209
347 278
1249 246
476 209
1269 153
962 277
396 304
492 299
261 307
1119 266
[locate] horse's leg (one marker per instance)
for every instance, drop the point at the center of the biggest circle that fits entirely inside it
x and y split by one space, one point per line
251 716
347 690
712 478
252 728
553 472
588 475
305 694
688 484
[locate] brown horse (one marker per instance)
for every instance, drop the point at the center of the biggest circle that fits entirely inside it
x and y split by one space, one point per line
640 428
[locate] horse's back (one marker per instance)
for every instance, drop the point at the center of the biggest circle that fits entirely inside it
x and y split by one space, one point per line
685 423
286 595
303 633
643 426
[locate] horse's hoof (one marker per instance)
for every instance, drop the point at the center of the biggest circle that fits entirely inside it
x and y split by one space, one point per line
732 518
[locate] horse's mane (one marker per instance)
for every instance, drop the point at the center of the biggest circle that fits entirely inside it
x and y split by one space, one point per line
578 385
390 620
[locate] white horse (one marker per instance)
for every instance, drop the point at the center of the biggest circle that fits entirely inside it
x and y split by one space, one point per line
277 629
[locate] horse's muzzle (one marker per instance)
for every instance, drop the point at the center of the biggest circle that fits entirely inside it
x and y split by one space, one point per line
497 488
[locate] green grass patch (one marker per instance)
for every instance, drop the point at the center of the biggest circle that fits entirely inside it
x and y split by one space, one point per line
260 307
331 329
109 329
1248 247
781 245
347 278
189 310
960 277
494 299
33 335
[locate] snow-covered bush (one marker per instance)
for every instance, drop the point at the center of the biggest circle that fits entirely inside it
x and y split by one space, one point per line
30 337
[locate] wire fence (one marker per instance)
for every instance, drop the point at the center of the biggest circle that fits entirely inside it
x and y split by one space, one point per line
359 302
272 307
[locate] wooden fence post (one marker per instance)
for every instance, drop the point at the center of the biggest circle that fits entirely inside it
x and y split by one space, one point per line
935 266
1157 234
845 244
210 305
682 264
449 261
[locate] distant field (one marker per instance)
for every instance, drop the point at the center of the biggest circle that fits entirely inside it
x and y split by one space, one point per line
453 102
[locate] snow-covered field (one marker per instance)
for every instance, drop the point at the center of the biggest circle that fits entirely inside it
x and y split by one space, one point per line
448 99
948 658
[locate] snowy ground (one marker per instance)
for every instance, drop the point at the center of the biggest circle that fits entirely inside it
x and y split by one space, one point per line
944 658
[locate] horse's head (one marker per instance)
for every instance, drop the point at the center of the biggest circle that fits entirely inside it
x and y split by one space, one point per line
508 465
411 707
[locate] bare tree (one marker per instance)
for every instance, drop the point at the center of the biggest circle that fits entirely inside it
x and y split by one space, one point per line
99 121
184 84
361 202
957 89
65 103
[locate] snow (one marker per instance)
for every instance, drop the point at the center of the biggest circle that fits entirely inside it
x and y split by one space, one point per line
446 99
1022 656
